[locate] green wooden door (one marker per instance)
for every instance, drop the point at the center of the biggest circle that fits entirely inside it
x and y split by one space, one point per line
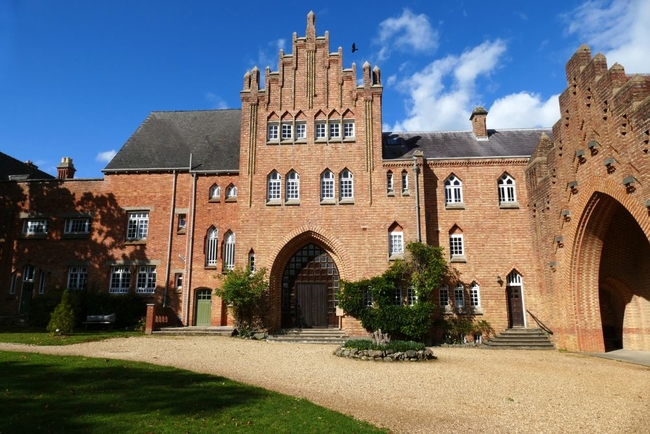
203 307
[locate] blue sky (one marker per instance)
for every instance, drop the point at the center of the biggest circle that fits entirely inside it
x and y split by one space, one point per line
78 77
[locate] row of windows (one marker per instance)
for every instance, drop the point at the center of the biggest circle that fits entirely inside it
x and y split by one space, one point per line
459 296
212 248
505 186
298 131
215 192
72 226
328 179
390 182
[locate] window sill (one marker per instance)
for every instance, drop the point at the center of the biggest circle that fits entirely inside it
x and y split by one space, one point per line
75 236
460 258
446 310
396 256
477 310
214 200
292 202
452 206
320 140
231 199
210 267
406 193
34 236
135 242
272 142
301 141
328 202
286 142
181 232
509 205
275 202
390 193
350 139
346 202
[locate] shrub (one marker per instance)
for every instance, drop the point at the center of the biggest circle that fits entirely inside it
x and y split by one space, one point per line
42 306
248 295
395 346
62 320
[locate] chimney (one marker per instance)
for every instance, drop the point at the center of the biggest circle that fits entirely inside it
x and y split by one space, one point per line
479 125
65 169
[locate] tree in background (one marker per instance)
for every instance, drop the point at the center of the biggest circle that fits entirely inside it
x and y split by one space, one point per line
63 318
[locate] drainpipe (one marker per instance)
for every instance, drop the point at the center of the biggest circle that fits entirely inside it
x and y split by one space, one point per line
190 248
169 237
416 169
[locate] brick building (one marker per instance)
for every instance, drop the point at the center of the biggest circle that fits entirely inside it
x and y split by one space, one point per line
303 182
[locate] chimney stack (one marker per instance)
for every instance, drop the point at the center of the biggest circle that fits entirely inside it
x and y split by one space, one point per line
479 123
65 169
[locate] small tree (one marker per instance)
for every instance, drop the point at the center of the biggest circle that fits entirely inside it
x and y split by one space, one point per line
247 294
63 318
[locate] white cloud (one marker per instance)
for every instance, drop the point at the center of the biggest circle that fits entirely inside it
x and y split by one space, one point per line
442 95
216 101
408 32
105 156
523 110
269 55
617 28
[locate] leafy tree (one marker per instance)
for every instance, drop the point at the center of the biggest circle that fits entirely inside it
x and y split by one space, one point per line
247 294
63 318
373 301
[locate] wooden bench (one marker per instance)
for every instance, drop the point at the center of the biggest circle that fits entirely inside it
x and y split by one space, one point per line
107 320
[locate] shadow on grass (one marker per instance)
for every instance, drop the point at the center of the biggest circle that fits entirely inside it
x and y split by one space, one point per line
76 394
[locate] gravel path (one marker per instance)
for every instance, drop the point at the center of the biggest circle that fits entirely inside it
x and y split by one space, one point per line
465 390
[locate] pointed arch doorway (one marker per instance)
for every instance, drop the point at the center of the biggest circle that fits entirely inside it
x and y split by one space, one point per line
310 282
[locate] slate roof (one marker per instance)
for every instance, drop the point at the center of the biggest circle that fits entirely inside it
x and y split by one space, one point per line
463 144
165 140
12 169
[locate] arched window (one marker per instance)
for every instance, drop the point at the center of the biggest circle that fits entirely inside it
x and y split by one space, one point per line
211 247
229 251
507 192
444 297
453 190
456 245
327 186
293 186
405 182
231 192
215 192
475 295
390 182
395 241
459 296
274 186
346 185
251 261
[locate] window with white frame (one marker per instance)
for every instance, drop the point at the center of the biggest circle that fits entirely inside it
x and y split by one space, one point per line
29 275
211 247
395 243
274 186
77 277
507 192
453 190
405 181
456 247
35 226
14 282
348 129
178 282
335 130
215 192
475 295
146 279
293 186
181 222
120 280
390 183
321 130
327 186
138 226
272 132
287 131
444 297
229 251
346 185
459 296
411 296
77 226
301 131
231 192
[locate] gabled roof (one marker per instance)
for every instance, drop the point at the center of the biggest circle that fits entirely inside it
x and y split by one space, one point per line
463 144
12 169
165 141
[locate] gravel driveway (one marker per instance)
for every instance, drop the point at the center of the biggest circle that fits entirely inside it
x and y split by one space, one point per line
465 390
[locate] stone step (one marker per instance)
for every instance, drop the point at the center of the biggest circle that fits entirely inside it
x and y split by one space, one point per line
196 330
520 338
310 336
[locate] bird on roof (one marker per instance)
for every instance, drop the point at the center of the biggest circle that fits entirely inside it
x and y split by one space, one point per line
354 47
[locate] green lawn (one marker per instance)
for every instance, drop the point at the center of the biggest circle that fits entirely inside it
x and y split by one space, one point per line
39 336
45 393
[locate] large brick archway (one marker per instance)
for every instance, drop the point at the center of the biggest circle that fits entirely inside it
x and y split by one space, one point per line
610 278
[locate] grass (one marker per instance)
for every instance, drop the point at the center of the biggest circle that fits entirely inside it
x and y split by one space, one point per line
39 336
77 394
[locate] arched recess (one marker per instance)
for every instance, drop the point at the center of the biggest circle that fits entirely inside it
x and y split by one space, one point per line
610 278
306 270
